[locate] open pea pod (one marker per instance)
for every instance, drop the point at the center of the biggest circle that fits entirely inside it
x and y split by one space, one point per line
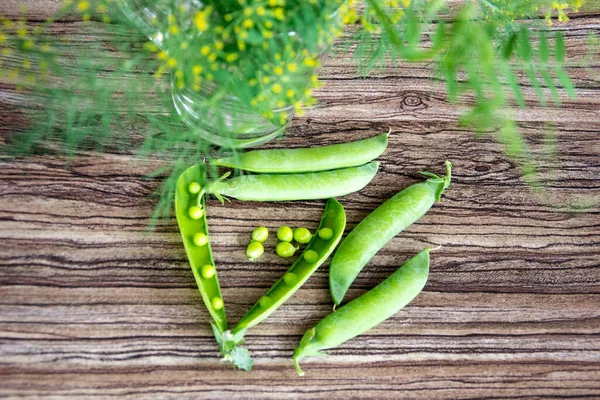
315 254
191 217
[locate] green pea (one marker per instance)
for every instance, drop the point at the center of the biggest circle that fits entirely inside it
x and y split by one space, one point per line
321 158
255 250
260 234
193 233
366 311
379 227
285 249
195 212
290 278
200 239
217 303
334 218
306 186
302 235
265 302
325 233
311 256
208 271
194 188
285 234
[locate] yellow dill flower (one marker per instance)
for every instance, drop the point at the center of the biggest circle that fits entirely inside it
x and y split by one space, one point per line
252 82
174 29
200 20
290 93
231 57
219 45
277 88
278 70
260 10
280 14
205 50
83 5
197 70
291 67
172 63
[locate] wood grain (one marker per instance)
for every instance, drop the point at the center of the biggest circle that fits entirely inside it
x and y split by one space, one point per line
93 305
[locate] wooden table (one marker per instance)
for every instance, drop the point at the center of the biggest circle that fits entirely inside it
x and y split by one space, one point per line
92 305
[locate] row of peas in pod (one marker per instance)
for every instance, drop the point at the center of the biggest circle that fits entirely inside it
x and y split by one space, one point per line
301 174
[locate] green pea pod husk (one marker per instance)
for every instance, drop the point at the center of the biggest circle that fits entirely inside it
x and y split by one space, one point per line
366 311
379 227
198 256
323 158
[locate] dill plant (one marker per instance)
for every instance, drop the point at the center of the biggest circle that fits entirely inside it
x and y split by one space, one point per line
265 54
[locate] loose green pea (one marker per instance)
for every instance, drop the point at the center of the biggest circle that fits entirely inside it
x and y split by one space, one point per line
325 233
200 239
260 234
265 302
195 212
217 303
311 256
194 188
285 234
302 235
208 271
290 278
255 250
285 249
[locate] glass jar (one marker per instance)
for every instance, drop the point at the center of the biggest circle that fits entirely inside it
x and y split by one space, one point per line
229 123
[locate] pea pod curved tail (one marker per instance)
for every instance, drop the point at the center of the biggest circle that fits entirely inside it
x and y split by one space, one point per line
379 227
366 311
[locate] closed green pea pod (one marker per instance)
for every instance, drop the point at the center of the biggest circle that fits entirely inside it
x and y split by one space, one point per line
366 311
379 227
284 187
322 158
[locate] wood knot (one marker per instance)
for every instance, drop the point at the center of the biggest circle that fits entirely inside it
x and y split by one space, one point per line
413 101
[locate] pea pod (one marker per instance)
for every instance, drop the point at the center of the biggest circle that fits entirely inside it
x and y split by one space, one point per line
200 256
306 186
312 159
316 252
366 311
379 227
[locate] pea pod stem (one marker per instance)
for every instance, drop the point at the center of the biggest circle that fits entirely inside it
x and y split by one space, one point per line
312 159
379 227
333 218
198 256
366 311
302 186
